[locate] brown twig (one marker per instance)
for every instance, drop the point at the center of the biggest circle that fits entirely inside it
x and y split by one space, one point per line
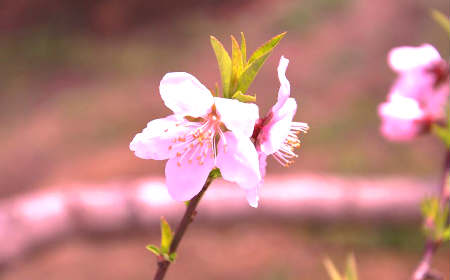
187 219
423 270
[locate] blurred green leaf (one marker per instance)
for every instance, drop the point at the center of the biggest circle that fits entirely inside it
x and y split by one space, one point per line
442 132
166 236
224 61
243 49
332 271
351 273
250 73
243 97
441 19
441 223
436 219
350 270
155 250
446 234
267 47
237 64
430 207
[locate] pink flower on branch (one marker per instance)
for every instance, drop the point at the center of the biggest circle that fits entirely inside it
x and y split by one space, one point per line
204 132
418 97
277 134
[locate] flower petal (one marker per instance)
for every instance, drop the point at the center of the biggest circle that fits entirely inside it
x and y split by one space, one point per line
155 140
275 132
408 58
285 87
185 95
262 157
415 84
184 180
237 116
252 196
238 160
401 118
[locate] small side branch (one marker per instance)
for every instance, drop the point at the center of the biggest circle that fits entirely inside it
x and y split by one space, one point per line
423 270
163 265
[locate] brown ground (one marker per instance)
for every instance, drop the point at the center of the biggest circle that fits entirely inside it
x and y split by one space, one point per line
240 252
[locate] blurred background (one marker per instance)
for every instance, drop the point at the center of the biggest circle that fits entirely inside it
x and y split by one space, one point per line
78 79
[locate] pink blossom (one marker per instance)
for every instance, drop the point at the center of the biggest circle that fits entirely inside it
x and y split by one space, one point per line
204 132
418 97
277 134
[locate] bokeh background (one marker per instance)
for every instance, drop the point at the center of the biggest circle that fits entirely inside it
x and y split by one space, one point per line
79 78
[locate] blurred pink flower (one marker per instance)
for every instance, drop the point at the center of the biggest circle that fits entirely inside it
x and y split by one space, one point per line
418 97
204 132
277 134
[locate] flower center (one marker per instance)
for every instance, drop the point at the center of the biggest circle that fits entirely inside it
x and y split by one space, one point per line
200 142
286 155
440 70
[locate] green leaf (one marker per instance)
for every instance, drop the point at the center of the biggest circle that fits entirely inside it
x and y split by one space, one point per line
243 49
172 257
442 132
430 208
224 61
266 47
237 65
446 235
166 236
250 73
441 19
351 273
243 97
155 250
169 257
441 223
436 219
332 271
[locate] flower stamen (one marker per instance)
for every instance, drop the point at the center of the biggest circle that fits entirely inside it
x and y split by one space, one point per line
199 142
285 155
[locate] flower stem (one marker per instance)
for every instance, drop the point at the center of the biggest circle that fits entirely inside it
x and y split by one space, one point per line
423 270
163 264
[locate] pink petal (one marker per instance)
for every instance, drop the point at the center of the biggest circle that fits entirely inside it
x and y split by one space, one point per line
417 84
238 160
184 180
252 196
155 140
408 58
285 87
401 118
237 116
275 132
262 157
185 95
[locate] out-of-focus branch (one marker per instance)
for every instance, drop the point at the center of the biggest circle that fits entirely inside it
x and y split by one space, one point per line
423 270
34 220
